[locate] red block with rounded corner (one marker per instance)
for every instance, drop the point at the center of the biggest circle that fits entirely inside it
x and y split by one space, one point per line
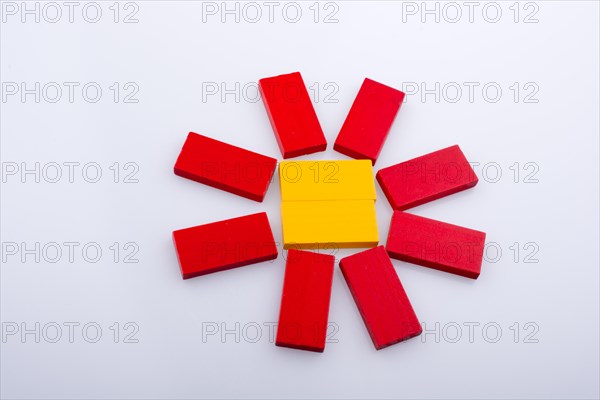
226 167
224 244
292 115
369 121
305 300
436 244
380 297
426 178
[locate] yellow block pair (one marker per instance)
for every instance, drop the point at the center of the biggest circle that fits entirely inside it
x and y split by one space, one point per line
328 204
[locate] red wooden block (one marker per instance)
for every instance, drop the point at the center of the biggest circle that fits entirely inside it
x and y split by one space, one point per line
305 300
225 244
380 297
369 121
426 178
436 244
292 115
225 167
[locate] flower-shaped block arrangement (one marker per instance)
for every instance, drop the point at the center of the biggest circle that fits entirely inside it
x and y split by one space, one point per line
330 204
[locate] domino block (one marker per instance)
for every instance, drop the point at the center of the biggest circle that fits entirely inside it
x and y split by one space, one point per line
436 244
369 121
225 167
327 180
225 244
293 118
328 204
380 297
426 178
305 301
329 224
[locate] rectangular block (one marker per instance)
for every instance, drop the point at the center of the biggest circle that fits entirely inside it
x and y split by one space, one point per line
369 121
292 115
329 224
327 180
225 244
305 300
380 297
426 178
436 244
225 167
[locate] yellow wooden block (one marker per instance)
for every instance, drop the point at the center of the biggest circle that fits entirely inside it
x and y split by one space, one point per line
329 224
326 180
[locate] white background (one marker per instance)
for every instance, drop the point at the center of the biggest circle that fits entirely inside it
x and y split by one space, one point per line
550 209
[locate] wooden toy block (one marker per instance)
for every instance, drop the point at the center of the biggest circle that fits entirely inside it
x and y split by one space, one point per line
436 244
369 121
326 180
225 167
329 224
426 178
225 244
380 297
292 115
328 204
305 300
